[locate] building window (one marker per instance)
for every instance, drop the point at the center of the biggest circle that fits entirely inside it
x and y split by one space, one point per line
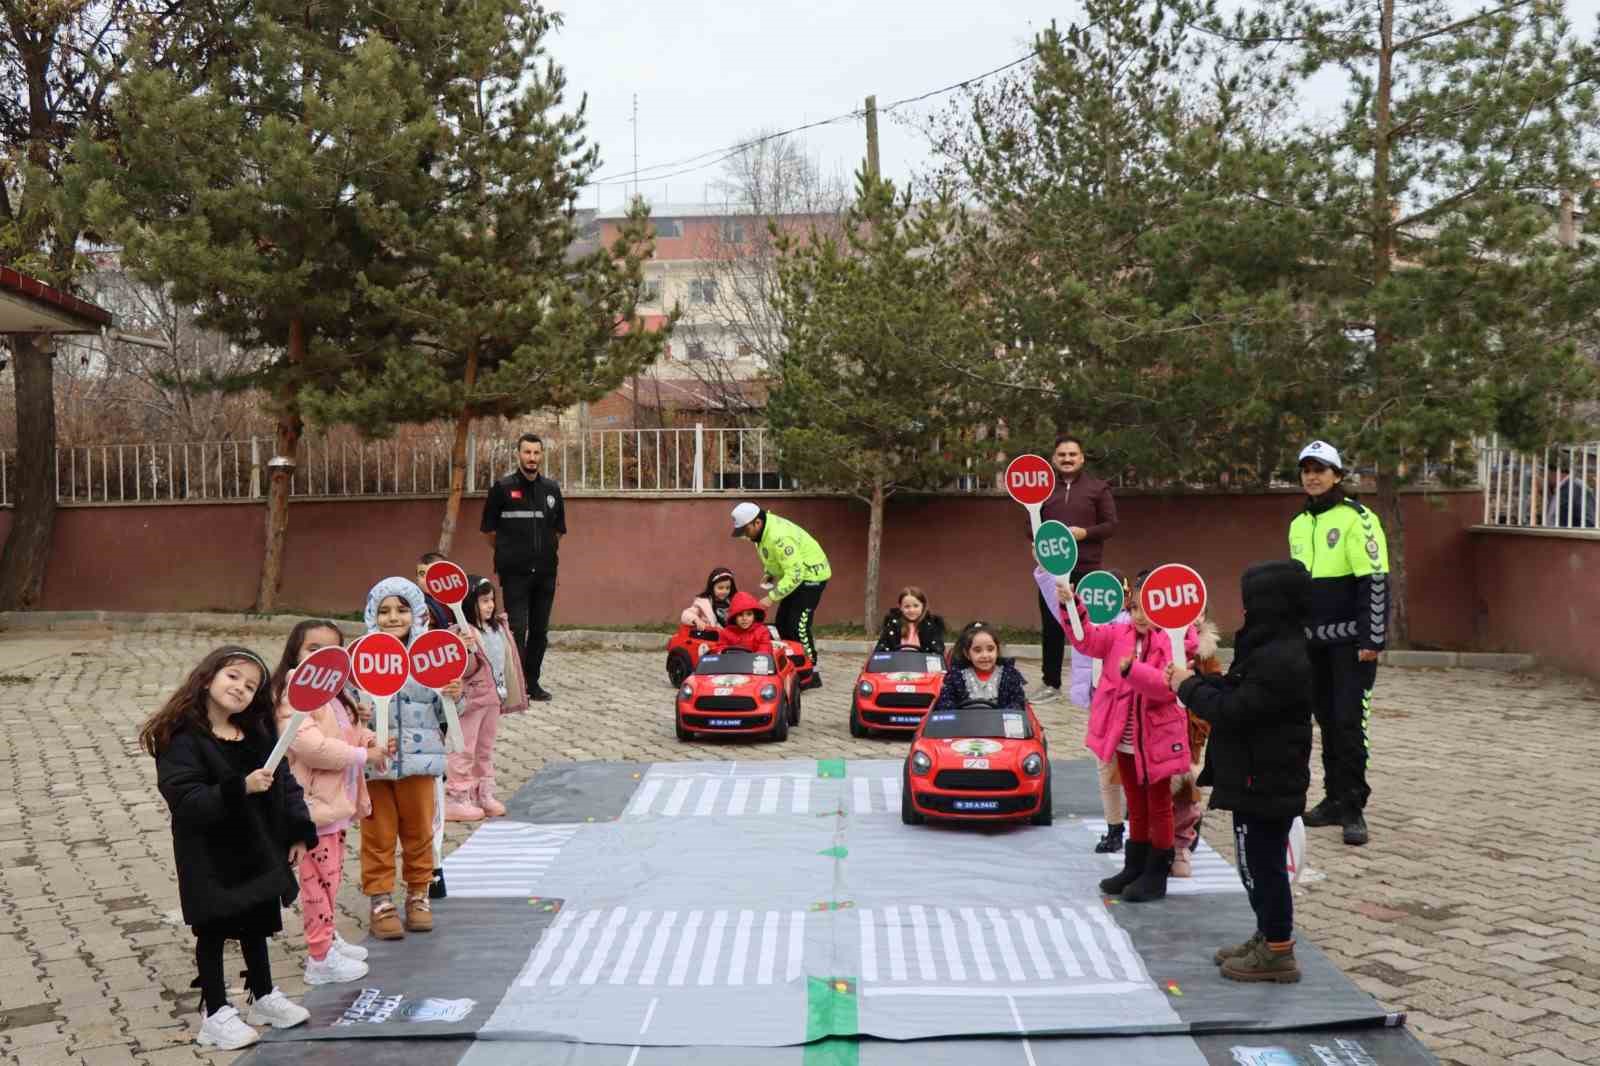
745 351
697 350
667 227
650 292
733 232
703 290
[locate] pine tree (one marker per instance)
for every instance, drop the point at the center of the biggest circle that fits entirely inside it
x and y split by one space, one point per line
491 314
239 189
863 401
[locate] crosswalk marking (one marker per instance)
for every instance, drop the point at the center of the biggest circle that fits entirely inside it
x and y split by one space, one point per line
708 798
548 943
504 859
797 942
741 793
591 973
980 954
1097 958
1008 952
769 949
680 792
708 965
741 948
630 947
702 795
1030 940
646 795
919 928
658 950
1058 940
869 948
769 795
947 940
708 947
1211 873
580 937
680 964
802 796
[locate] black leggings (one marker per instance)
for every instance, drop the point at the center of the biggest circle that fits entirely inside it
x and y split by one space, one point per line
795 614
208 960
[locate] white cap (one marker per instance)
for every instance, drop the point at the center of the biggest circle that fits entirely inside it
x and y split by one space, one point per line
1322 452
743 515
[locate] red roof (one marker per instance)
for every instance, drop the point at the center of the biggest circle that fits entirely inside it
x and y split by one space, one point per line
28 305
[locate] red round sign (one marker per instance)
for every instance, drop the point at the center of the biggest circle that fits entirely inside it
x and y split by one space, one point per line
380 664
438 657
1030 480
1173 596
319 679
445 582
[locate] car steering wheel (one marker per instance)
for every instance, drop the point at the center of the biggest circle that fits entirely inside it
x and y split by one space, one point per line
973 705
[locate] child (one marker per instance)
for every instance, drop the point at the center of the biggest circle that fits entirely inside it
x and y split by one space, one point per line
439 616
326 757
1260 763
402 793
746 630
710 609
910 625
978 673
236 831
1135 720
1188 802
492 686
1110 784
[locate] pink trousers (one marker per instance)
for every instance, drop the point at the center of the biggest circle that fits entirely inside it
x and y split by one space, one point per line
321 870
474 767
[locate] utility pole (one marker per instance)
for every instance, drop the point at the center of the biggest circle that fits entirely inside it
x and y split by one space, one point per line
635 146
872 137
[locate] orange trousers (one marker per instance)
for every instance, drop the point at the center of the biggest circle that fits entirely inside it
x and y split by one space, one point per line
401 809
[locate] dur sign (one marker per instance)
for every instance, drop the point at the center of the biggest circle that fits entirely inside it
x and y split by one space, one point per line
1173 596
380 672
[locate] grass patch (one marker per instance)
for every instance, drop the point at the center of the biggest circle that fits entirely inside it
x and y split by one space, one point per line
15 679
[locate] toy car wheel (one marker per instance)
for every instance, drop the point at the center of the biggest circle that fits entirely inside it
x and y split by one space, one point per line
858 728
780 730
1046 814
908 812
683 734
678 666
794 707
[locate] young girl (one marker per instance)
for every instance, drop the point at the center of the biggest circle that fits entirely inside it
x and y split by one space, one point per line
710 609
746 629
493 686
909 624
326 757
1188 802
236 831
978 673
1135 719
1111 804
402 793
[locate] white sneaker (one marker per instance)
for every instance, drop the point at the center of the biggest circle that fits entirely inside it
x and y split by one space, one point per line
334 969
1045 694
277 1010
341 946
226 1031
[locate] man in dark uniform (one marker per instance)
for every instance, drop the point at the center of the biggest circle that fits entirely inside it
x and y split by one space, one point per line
524 519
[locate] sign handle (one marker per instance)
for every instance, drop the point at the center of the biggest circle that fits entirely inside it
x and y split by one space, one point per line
1071 611
284 740
452 721
461 618
1096 667
380 721
1034 515
1176 637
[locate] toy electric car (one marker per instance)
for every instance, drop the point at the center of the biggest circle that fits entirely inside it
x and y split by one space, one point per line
684 651
978 764
739 693
804 668
894 691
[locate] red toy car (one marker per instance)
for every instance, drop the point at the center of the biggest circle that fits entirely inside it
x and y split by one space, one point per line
804 668
739 693
978 764
684 651
894 691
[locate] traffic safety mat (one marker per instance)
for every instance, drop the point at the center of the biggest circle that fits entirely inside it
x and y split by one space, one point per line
747 914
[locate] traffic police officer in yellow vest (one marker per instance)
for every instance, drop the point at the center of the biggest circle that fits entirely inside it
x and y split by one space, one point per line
796 566
1342 543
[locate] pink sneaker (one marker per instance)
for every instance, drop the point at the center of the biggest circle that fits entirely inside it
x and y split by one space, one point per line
491 806
461 810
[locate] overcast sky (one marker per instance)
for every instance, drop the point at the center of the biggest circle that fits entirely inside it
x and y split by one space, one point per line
709 73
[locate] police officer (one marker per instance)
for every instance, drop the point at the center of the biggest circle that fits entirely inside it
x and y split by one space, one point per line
1342 543
798 569
524 519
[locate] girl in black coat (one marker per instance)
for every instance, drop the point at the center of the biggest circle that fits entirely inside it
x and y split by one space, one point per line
978 673
1258 762
909 624
238 832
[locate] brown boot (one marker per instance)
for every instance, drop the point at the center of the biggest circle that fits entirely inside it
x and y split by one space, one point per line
385 922
1263 963
419 914
1224 954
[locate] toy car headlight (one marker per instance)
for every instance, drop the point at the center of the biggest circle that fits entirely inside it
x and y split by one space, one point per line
704 647
686 692
920 763
769 692
866 688
1033 765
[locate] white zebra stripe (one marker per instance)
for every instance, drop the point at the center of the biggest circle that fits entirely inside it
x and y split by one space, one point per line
741 948
680 792
645 797
1030 940
680 962
980 954
658 951
708 964
630 947
769 949
952 950
919 927
741 794
546 949
580 937
1058 939
797 944
1008 951
869 947
897 947
591 972
1097 958
1121 946
769 795
802 796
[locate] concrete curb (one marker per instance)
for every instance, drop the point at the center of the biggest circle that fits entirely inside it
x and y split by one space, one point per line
280 624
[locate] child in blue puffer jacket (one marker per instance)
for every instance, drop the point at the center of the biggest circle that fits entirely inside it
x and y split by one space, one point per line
403 794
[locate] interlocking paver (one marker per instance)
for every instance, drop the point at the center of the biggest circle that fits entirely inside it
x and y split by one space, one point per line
1473 907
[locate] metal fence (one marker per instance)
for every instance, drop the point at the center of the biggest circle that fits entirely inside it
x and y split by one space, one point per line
687 460
1553 489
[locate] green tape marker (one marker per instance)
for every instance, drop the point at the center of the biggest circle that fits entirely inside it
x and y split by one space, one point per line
830 767
835 852
830 1009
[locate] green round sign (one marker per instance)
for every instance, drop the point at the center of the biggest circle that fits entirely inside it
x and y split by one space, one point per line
1056 548
1101 594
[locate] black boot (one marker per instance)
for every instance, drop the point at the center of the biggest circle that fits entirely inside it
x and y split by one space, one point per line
1133 865
1328 812
436 889
1111 842
1152 884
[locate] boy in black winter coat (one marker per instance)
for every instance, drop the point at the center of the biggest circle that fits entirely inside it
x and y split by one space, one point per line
1258 763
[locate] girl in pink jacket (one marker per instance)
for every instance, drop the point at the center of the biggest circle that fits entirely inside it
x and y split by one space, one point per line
1135 720
327 757
492 686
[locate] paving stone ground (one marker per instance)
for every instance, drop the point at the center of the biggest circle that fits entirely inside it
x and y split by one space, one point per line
1474 908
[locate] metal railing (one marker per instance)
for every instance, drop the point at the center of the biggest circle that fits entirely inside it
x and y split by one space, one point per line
688 460
1557 488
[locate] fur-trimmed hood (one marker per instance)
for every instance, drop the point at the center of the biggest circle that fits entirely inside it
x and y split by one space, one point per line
1207 639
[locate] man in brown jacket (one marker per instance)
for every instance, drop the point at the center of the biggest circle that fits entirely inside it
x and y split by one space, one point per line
1084 505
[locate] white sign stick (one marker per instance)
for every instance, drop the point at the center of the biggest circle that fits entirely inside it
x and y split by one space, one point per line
285 738
461 618
1097 666
1176 637
1033 515
456 742
380 721
1071 611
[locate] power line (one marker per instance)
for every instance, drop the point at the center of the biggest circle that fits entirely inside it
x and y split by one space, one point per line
704 160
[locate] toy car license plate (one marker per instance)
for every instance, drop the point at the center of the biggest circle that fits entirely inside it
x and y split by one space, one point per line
977 805
904 719
726 723
975 764
905 688
722 691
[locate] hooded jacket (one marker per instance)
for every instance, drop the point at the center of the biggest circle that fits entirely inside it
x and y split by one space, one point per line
1258 761
705 612
755 639
929 635
416 714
